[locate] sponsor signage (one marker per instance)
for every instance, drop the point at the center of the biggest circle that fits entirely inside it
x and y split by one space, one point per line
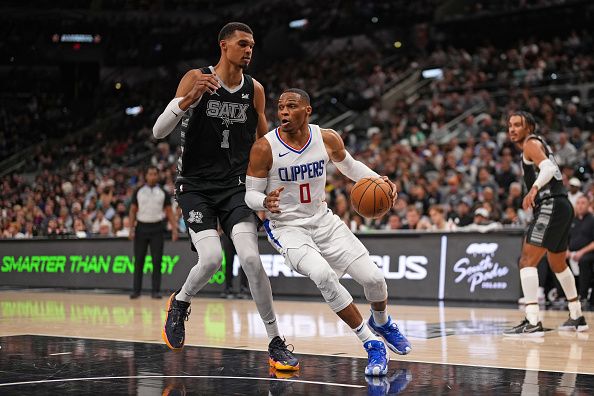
427 266
484 267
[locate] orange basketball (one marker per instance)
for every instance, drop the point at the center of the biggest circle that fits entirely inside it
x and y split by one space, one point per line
370 197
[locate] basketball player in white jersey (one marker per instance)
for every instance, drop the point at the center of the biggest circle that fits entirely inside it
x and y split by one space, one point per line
286 176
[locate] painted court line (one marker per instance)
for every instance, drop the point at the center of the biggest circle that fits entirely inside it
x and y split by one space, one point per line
177 376
408 359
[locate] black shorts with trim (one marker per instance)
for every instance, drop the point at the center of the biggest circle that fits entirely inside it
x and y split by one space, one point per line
211 203
551 223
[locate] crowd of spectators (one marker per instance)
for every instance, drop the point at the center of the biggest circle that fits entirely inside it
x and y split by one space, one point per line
471 181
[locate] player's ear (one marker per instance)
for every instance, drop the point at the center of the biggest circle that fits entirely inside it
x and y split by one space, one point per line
308 110
223 45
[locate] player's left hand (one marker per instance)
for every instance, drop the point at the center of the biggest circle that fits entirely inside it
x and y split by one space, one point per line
529 198
272 200
174 234
393 192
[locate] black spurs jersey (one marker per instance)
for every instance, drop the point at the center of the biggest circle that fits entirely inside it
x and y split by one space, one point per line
554 188
218 133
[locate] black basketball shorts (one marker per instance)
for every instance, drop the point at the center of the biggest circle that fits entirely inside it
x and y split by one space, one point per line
203 208
551 223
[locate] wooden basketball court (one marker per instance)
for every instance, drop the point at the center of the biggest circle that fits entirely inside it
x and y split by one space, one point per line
460 348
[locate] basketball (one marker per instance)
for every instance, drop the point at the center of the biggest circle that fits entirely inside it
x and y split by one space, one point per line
370 197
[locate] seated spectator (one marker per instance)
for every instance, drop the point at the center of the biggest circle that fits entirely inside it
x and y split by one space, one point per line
438 220
482 222
574 192
125 230
412 219
394 223
462 215
105 228
80 229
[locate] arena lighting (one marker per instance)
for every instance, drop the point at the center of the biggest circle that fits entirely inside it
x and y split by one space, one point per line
76 38
397 44
298 23
432 73
134 111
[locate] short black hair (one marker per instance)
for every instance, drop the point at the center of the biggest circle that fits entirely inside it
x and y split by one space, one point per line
528 119
299 92
230 28
148 168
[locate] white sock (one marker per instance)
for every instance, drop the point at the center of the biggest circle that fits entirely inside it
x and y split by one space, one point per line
379 317
532 311
575 309
271 329
364 333
567 282
529 280
181 296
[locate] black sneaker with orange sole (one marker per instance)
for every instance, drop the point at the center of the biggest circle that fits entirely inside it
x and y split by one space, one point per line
174 332
280 357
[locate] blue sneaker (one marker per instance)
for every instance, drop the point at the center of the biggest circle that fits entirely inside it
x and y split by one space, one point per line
395 340
377 386
388 385
377 358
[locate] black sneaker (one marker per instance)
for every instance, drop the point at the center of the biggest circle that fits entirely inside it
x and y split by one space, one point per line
174 332
578 324
525 329
134 296
280 357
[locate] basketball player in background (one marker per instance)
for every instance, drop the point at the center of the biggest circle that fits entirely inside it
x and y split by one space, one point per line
224 111
286 176
549 230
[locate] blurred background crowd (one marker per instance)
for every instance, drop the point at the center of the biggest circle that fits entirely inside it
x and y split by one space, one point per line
417 99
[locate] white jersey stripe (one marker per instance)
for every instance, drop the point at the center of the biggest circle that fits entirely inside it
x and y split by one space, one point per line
292 148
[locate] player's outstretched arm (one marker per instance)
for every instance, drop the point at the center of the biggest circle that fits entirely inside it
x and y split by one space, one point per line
256 179
260 106
534 152
189 91
346 164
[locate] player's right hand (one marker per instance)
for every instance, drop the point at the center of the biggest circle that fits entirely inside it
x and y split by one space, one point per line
203 83
272 200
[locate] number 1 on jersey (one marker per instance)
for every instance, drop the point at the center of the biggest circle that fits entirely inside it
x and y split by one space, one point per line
304 193
225 142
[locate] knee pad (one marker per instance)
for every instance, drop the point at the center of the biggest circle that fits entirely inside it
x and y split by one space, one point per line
245 239
308 262
208 246
376 289
368 275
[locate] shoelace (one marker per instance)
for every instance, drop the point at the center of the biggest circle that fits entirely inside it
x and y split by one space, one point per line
283 347
179 315
376 353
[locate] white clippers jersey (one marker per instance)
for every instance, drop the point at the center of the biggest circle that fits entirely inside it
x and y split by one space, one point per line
303 175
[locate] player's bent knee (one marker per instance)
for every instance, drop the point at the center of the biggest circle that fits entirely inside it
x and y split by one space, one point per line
211 261
375 287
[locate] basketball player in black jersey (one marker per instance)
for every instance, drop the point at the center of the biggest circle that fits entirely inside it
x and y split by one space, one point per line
549 230
221 111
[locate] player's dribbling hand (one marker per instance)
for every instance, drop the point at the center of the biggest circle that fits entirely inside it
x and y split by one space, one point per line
204 83
272 201
393 192
528 201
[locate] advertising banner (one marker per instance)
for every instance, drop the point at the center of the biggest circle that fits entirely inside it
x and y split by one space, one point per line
482 267
426 266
